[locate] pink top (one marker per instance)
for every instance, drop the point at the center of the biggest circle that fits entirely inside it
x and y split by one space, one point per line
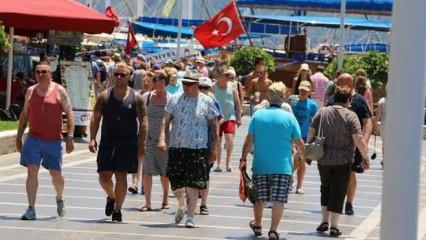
45 115
319 82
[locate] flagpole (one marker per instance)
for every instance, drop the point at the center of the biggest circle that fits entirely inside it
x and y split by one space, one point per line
128 35
242 23
179 34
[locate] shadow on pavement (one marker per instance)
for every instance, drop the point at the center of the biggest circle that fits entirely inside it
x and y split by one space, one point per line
9 218
163 225
97 221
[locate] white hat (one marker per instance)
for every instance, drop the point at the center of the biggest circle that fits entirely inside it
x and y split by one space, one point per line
304 66
205 82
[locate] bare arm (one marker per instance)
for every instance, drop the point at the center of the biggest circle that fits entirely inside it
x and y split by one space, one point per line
95 120
237 105
368 127
165 123
142 117
378 116
361 144
311 134
247 147
214 137
66 106
300 147
23 118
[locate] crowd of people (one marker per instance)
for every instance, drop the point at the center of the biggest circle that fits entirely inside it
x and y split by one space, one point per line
172 119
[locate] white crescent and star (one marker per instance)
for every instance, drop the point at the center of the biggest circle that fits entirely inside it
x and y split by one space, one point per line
228 22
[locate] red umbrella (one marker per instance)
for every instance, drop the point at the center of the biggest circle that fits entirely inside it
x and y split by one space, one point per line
60 15
29 16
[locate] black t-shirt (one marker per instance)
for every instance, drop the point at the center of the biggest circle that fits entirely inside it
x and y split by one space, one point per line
358 105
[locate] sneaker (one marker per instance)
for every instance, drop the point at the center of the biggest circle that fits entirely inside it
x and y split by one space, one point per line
133 190
30 214
190 223
110 205
60 207
179 215
204 210
349 210
117 217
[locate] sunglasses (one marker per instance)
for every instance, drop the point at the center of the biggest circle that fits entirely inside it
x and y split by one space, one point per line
41 71
188 83
120 75
203 88
157 79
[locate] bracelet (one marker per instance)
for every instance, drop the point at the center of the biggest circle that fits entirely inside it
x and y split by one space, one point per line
243 160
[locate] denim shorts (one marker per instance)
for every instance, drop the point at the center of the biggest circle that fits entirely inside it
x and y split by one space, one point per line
47 153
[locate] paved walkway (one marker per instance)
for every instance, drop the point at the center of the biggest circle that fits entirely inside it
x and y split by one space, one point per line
228 217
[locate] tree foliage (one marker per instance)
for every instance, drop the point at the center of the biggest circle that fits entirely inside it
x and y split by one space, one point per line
376 65
244 58
4 42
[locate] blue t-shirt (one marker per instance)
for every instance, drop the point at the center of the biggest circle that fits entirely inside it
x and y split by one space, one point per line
273 130
304 111
175 89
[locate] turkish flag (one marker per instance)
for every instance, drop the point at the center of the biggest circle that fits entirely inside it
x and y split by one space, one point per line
131 40
111 13
220 29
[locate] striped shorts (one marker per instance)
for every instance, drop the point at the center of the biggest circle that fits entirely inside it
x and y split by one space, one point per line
272 187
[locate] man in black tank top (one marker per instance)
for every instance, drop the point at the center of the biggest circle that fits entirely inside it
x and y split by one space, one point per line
120 107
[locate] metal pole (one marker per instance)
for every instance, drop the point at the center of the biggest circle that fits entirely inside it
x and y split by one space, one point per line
139 8
9 69
107 3
289 37
404 122
342 34
179 35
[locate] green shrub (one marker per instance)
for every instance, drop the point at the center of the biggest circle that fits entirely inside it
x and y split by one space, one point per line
4 41
376 65
243 60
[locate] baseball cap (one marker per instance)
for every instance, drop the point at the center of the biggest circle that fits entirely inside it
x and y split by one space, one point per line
305 85
304 66
205 82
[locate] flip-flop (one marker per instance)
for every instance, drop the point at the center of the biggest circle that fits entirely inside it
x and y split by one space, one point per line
257 230
273 235
164 206
145 209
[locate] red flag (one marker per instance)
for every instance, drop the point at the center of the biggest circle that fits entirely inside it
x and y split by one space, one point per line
220 29
131 40
111 13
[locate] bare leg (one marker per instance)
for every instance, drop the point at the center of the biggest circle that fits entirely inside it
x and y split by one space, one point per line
58 183
219 153
120 189
300 174
204 195
32 184
105 179
277 213
165 184
229 143
325 214
147 186
335 219
193 197
180 197
350 193
258 213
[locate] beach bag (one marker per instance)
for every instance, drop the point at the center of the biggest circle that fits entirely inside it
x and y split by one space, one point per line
315 149
246 187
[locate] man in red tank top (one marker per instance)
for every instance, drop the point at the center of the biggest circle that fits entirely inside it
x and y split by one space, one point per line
43 107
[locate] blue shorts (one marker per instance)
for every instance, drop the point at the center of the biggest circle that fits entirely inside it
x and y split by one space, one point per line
36 151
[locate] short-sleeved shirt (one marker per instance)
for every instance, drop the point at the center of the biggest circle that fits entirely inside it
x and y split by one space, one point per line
358 105
319 82
382 103
137 79
273 130
338 126
190 119
304 111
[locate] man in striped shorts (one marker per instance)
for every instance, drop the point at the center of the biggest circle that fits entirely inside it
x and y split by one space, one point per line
272 131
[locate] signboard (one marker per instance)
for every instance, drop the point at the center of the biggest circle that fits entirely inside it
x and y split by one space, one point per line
77 79
171 54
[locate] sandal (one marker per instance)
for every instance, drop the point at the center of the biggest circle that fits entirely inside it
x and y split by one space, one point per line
335 232
145 209
164 206
257 230
273 235
322 227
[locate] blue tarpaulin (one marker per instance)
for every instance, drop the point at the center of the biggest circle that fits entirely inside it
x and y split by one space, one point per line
377 7
329 22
